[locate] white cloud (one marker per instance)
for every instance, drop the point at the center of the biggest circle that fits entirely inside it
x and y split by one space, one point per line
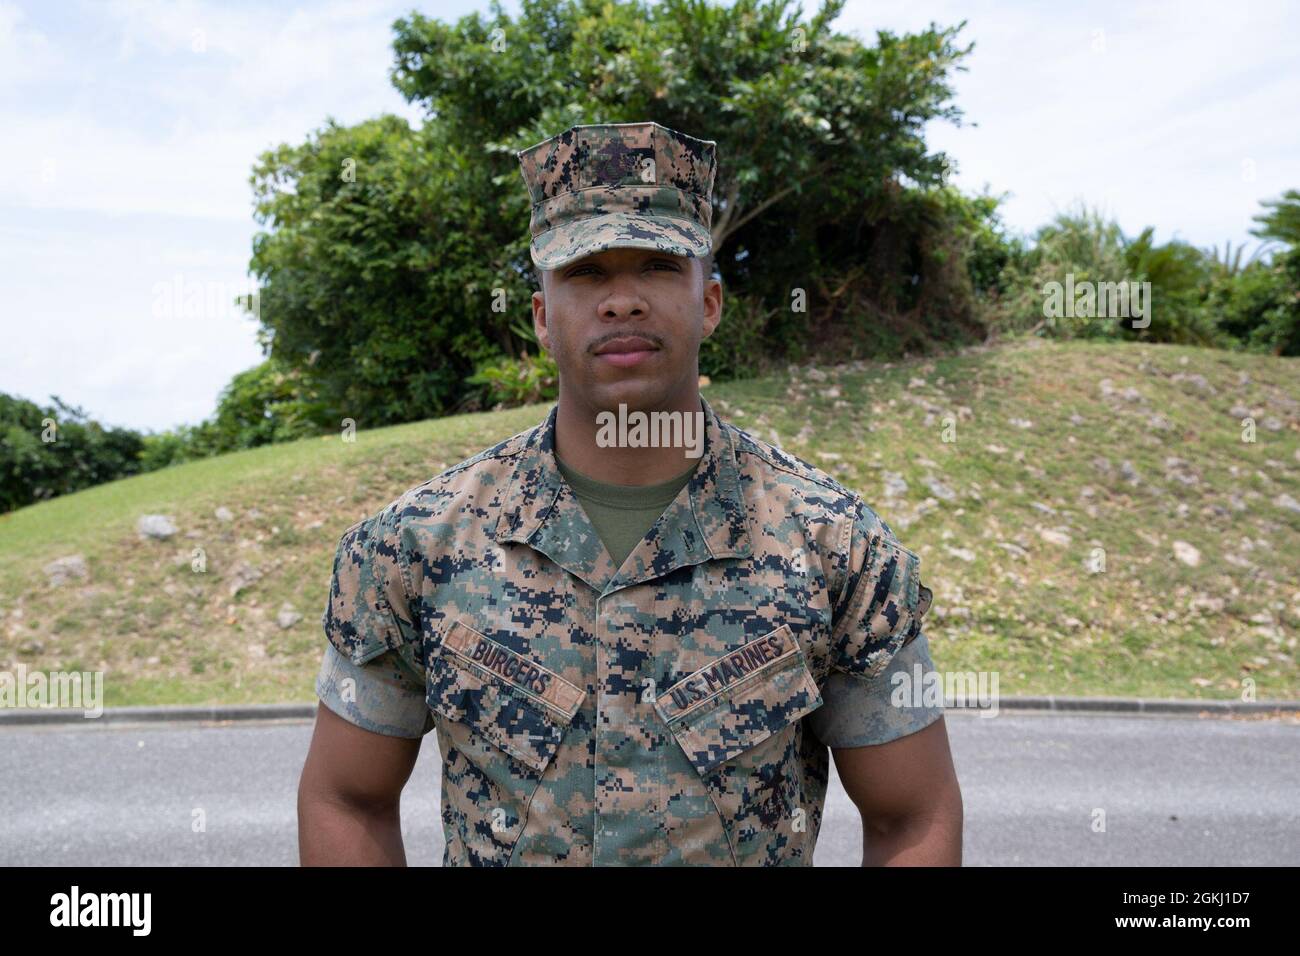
222 85
130 132
25 54
1148 110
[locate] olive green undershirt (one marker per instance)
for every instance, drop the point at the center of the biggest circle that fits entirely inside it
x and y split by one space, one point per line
622 514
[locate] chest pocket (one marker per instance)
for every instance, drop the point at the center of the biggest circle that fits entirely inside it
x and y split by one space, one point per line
737 722
510 700
503 717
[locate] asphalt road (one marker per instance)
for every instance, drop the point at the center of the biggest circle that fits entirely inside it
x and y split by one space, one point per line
1174 791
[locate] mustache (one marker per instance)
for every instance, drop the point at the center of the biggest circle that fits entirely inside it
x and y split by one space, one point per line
652 339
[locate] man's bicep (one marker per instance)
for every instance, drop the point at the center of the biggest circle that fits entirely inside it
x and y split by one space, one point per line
895 781
350 765
888 737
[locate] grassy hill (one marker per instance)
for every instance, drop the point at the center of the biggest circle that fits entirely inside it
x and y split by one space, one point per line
1096 525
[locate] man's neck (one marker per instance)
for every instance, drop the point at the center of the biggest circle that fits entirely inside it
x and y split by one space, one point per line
577 430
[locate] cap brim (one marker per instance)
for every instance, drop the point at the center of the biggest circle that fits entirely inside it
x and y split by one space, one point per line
619 230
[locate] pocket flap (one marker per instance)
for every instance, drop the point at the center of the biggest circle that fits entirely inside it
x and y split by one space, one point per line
511 700
740 699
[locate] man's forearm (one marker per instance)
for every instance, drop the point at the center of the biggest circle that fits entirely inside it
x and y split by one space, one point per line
923 840
335 833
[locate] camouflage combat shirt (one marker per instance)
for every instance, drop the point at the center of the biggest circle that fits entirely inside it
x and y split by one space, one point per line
652 713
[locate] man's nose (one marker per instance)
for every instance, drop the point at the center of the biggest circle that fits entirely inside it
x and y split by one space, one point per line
623 301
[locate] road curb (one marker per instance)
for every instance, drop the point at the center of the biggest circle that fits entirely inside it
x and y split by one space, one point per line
19 717
27 716
1144 705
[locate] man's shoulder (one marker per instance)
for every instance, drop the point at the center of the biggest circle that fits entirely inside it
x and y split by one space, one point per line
798 484
483 474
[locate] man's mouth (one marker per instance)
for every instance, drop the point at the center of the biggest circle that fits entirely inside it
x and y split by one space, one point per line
627 351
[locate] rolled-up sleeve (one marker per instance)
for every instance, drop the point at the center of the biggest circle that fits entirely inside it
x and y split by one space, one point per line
381 696
876 641
864 712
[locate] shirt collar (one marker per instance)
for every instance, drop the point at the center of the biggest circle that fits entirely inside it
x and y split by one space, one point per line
706 520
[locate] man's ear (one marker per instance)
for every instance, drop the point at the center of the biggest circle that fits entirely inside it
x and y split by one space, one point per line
539 320
712 306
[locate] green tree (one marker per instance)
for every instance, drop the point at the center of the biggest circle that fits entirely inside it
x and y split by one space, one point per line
1258 305
402 280
1281 220
47 451
373 272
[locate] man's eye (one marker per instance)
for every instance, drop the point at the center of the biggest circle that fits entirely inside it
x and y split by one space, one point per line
671 266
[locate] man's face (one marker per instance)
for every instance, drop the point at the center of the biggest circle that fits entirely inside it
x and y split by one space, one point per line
627 294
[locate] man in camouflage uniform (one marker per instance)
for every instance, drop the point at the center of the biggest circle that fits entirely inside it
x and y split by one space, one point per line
631 653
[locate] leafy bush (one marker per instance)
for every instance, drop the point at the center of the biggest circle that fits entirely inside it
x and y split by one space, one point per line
1082 250
1259 307
1179 274
525 380
261 405
508 381
738 345
267 403
165 448
49 451
1081 243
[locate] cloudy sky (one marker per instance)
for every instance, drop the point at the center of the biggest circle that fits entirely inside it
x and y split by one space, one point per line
129 130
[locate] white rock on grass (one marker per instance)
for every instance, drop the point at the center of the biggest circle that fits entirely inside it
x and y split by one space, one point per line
1198 382
1187 554
895 485
224 514
242 576
287 617
63 570
158 527
939 489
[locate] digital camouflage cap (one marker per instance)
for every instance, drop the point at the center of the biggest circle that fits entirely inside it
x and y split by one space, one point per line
619 186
